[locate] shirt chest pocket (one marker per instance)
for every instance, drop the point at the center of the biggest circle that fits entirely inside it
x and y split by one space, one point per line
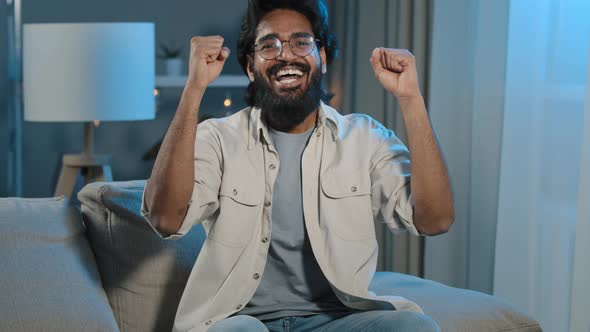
239 213
345 205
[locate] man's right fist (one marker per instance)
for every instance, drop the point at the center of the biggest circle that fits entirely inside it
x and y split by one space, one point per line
207 58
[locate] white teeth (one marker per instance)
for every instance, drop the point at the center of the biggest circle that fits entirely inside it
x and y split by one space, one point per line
287 81
290 72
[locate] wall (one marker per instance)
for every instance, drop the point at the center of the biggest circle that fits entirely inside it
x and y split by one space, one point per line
176 22
466 107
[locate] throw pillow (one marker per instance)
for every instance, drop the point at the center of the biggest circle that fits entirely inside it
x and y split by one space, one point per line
143 275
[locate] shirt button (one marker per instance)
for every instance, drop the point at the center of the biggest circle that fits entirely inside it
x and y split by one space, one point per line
267 203
208 322
256 276
235 192
272 166
239 307
265 239
353 189
319 134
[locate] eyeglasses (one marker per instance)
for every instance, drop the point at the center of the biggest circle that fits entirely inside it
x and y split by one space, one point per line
301 44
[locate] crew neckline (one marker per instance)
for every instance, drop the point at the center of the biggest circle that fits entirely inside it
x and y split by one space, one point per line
284 134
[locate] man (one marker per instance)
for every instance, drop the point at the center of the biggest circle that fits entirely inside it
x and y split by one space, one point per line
288 189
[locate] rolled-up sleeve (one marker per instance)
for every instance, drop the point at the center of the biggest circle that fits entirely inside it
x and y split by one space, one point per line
206 181
390 184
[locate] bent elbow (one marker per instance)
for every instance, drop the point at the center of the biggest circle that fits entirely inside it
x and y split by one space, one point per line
435 226
443 225
165 226
433 221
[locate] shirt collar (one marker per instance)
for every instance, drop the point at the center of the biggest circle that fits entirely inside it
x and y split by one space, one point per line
327 116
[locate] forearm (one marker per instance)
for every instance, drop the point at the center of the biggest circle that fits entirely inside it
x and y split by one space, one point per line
170 187
430 185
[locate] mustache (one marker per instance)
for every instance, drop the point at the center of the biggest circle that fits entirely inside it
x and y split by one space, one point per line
304 67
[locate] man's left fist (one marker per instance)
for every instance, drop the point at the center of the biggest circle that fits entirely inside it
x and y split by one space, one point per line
396 70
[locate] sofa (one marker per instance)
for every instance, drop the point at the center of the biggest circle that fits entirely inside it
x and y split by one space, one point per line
102 268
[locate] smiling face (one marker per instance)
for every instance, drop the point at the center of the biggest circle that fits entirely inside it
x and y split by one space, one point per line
287 74
288 86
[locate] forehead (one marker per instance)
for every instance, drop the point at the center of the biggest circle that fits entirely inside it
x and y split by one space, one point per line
284 23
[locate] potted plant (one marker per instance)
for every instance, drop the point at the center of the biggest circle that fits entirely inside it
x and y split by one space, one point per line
172 60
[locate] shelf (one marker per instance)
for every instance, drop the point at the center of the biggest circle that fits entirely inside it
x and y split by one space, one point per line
224 81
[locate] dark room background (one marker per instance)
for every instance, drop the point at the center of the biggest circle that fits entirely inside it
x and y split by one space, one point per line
175 21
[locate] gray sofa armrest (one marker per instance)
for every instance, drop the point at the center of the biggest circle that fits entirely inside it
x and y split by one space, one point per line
455 309
49 278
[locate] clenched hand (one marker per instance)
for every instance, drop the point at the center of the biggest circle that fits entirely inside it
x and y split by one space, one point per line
207 58
396 70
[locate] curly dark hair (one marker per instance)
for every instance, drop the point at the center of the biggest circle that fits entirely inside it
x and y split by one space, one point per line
314 10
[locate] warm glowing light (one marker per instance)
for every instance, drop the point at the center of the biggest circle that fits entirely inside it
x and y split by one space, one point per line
156 92
227 102
96 123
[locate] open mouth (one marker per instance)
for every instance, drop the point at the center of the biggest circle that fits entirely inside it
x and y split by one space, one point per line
289 78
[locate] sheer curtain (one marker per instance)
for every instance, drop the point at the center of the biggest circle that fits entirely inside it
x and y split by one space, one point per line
580 292
360 27
541 261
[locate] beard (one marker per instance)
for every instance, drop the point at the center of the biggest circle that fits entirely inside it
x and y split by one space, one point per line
285 112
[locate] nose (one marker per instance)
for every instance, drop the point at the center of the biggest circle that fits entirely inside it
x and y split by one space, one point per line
286 52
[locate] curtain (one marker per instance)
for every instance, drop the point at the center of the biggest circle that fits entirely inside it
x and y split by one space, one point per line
360 28
466 107
10 99
4 121
580 301
542 231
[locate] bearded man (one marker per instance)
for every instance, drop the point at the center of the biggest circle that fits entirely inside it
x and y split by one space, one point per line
288 189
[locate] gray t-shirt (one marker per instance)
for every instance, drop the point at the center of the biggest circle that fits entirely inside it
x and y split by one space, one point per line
292 283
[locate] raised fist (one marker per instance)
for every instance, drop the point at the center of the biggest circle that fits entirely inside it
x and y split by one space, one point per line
207 58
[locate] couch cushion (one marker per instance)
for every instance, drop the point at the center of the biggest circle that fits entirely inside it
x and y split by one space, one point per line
143 275
49 280
454 309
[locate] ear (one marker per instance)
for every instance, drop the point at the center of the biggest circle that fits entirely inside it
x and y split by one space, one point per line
323 58
250 68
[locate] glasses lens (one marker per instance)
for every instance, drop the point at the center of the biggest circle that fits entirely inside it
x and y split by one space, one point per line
302 45
269 48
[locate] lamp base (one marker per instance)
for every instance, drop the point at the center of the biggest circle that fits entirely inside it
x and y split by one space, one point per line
91 168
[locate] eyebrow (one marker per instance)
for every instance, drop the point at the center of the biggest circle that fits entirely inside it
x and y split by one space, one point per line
270 35
276 35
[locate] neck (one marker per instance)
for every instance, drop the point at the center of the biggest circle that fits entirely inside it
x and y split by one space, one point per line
307 124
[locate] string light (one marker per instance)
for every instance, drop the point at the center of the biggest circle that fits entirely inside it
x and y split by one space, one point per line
227 101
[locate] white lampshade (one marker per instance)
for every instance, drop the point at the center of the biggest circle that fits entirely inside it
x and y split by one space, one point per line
89 71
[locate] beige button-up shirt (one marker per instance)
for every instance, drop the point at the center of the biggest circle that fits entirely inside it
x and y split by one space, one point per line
354 172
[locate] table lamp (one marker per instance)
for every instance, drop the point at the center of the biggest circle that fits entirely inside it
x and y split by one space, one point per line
88 72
